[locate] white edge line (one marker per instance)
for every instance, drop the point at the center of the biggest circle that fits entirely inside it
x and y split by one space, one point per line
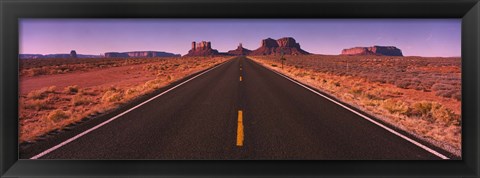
117 116
367 118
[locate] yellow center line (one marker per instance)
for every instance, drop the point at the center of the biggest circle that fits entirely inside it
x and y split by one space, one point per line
240 78
240 129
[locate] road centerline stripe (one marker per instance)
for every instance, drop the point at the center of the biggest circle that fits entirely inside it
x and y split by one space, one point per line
119 115
363 116
240 128
240 78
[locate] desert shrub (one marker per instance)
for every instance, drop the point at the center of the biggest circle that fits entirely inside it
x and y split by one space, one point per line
42 93
51 89
337 84
131 91
444 93
71 89
378 79
152 84
435 112
36 71
421 108
442 86
356 91
57 115
457 95
419 87
36 94
151 67
274 65
442 114
112 96
80 100
37 104
428 83
397 106
402 83
375 94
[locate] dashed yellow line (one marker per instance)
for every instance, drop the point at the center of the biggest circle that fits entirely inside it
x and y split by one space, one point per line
240 128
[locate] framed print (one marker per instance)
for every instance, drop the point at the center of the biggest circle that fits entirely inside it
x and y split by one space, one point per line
240 88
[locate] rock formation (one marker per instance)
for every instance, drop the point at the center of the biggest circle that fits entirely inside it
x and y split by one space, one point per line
240 51
116 54
30 56
374 50
203 48
140 54
73 54
286 45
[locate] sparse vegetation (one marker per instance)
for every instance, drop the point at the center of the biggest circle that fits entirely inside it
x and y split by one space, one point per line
36 104
419 95
42 93
71 89
79 99
112 96
45 108
57 115
37 67
395 106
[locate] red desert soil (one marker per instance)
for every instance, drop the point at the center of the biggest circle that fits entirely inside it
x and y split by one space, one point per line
417 94
118 76
57 92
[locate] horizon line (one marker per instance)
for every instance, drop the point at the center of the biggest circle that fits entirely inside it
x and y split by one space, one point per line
103 54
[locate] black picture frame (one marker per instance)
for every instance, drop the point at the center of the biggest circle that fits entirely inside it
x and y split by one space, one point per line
11 11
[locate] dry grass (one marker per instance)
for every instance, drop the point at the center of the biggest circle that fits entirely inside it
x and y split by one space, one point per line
37 67
79 99
57 115
42 93
50 108
419 95
113 96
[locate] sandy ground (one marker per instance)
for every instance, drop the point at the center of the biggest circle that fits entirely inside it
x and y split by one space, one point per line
52 101
356 91
118 76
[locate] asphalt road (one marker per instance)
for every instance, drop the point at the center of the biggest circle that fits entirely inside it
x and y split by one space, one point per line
238 110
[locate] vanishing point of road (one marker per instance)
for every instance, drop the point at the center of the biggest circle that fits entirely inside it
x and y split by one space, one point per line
236 110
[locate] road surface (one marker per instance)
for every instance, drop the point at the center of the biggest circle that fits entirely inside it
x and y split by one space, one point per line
238 110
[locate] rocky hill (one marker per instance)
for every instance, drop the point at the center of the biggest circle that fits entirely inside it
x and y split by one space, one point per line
203 48
374 50
141 54
72 54
240 51
287 45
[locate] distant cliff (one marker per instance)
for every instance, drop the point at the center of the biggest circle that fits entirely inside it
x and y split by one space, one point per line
71 55
374 50
286 45
240 51
140 54
203 48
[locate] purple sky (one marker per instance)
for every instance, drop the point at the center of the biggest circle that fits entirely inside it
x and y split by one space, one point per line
415 37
